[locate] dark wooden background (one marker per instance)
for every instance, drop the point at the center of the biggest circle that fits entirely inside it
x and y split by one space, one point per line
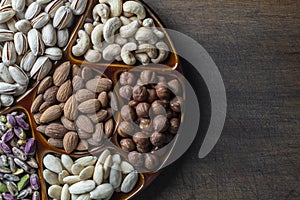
256 45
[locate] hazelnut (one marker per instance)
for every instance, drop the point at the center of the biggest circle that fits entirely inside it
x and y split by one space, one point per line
136 158
158 139
127 78
162 91
151 161
128 113
151 95
141 139
133 103
176 104
127 144
158 108
140 93
126 92
175 86
142 109
146 125
174 125
148 77
143 149
160 123
125 129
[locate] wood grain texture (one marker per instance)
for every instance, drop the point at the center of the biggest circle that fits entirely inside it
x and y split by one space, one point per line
256 45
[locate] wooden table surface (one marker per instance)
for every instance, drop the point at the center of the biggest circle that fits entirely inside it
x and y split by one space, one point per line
256 45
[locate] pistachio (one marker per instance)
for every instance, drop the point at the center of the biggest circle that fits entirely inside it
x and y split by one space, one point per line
35 42
40 21
21 43
9 55
33 10
62 18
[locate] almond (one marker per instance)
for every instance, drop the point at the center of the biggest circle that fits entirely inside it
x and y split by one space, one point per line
70 109
103 98
61 73
45 106
51 114
56 131
109 127
85 124
77 83
37 118
83 135
50 94
68 124
87 73
37 103
70 142
58 143
82 145
99 116
84 95
41 128
99 85
89 106
75 70
99 133
45 84
64 91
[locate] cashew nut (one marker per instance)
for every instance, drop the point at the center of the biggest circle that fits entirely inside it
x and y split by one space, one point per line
111 51
130 29
149 49
125 20
120 41
127 55
135 18
143 58
146 34
148 22
135 8
163 50
83 44
88 27
110 27
115 7
96 35
92 56
101 11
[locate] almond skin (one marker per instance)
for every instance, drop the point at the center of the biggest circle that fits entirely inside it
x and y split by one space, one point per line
61 73
85 124
56 131
84 95
78 83
89 106
64 91
37 103
99 116
51 114
58 143
70 109
70 142
45 84
50 94
99 85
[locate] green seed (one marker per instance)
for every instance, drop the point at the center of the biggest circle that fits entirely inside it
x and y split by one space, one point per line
3 188
23 182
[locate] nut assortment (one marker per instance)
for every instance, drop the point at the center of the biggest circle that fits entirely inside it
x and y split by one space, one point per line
152 115
18 166
74 108
120 31
88 177
32 34
74 111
